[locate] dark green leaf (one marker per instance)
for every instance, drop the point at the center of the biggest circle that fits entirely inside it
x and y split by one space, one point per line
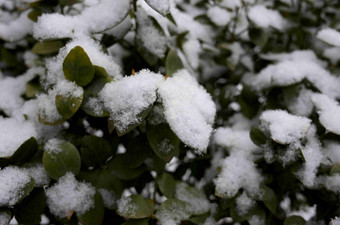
171 208
173 63
68 106
258 36
29 211
137 222
95 215
120 167
34 14
136 207
66 159
47 47
167 185
257 136
94 150
200 218
163 141
269 198
77 67
294 220
25 152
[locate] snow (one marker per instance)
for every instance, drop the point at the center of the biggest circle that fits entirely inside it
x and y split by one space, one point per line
301 103
13 134
234 140
53 146
54 25
165 146
219 16
313 156
328 110
16 29
173 215
109 197
238 172
192 50
127 98
333 54
265 18
68 195
244 203
12 181
5 218
283 127
332 152
162 7
151 38
335 221
331 183
330 36
38 173
47 107
188 108
127 206
198 203
156 115
69 89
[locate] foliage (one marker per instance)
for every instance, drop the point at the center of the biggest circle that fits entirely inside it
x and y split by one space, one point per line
228 112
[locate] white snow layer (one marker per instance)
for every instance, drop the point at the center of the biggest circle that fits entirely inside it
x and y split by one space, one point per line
188 108
14 133
328 110
265 18
329 36
12 181
16 29
283 127
55 25
70 195
127 98
219 16
162 7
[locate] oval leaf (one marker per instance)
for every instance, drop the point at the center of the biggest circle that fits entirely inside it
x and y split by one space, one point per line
25 152
257 136
173 63
294 220
163 7
95 215
47 47
77 67
94 150
167 185
66 159
135 207
68 106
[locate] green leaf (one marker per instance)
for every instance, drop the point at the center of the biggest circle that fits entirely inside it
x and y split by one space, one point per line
120 167
335 169
257 136
167 185
25 152
68 2
66 159
67 106
200 218
258 36
163 141
29 211
77 67
173 63
34 15
26 190
94 150
95 215
101 72
137 151
235 215
137 222
294 220
47 47
135 207
269 198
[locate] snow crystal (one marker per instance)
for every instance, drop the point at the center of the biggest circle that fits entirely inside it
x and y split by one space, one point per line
198 202
219 16
238 172
332 151
192 49
47 107
173 215
188 108
234 140
54 25
328 110
256 220
53 145
284 127
12 181
300 104
161 6
266 18
68 89
151 38
5 218
156 115
244 203
38 173
330 182
335 221
13 134
127 206
16 29
127 98
165 145
313 156
109 197
329 36
70 195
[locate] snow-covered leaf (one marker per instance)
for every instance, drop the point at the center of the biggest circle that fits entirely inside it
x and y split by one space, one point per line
163 7
135 207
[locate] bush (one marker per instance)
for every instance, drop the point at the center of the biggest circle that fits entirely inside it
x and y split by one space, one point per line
227 114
